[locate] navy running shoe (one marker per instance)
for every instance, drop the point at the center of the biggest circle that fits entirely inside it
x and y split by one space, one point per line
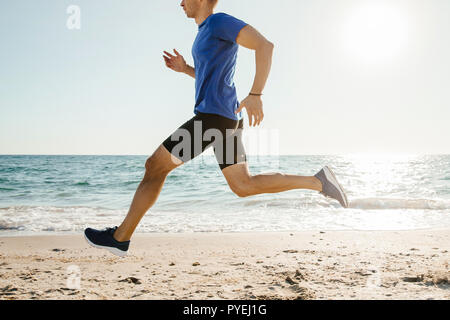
103 239
331 187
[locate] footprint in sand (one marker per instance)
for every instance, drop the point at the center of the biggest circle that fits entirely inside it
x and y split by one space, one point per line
131 280
290 281
9 290
413 279
299 275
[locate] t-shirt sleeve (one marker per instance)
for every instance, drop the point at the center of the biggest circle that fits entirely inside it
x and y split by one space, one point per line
227 27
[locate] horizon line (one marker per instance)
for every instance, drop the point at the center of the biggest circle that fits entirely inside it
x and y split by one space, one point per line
287 154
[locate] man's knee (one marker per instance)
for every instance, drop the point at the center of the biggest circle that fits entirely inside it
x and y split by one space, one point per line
242 187
159 163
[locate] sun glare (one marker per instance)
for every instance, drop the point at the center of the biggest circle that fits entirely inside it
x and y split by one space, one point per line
375 32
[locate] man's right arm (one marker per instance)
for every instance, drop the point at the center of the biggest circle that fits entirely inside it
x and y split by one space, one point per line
177 63
190 71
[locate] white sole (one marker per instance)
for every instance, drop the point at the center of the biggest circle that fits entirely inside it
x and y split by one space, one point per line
332 178
115 251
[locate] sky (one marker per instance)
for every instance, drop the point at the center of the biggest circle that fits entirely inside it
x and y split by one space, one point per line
348 76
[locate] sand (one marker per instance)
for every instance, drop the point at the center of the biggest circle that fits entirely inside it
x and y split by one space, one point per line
299 265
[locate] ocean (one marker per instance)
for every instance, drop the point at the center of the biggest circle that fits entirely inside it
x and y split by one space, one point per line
63 194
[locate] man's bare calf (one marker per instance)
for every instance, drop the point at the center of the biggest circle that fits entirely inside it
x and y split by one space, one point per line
157 167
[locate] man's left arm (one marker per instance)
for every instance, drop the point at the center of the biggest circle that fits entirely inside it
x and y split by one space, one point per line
250 38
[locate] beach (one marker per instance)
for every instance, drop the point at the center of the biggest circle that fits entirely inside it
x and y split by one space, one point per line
305 265
315 163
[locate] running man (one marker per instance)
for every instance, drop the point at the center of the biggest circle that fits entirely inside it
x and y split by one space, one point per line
217 123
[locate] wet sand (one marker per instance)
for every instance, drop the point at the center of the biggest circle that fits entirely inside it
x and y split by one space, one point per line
299 265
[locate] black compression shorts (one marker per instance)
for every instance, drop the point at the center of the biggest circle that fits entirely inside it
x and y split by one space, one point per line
205 130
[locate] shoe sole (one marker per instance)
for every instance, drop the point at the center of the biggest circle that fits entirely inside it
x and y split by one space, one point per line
334 181
114 251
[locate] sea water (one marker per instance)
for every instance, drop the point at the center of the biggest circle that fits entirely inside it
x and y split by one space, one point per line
42 194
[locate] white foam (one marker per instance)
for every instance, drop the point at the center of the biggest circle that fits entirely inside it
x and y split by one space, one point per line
396 203
310 212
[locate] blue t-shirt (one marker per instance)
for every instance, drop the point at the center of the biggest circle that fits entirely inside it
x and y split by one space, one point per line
215 54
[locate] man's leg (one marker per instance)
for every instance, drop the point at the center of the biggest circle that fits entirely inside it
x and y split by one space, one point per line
232 161
244 184
157 167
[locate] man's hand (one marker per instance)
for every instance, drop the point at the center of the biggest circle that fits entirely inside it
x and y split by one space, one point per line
176 62
254 107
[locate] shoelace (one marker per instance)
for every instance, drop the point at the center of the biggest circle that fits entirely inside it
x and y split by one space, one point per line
110 230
